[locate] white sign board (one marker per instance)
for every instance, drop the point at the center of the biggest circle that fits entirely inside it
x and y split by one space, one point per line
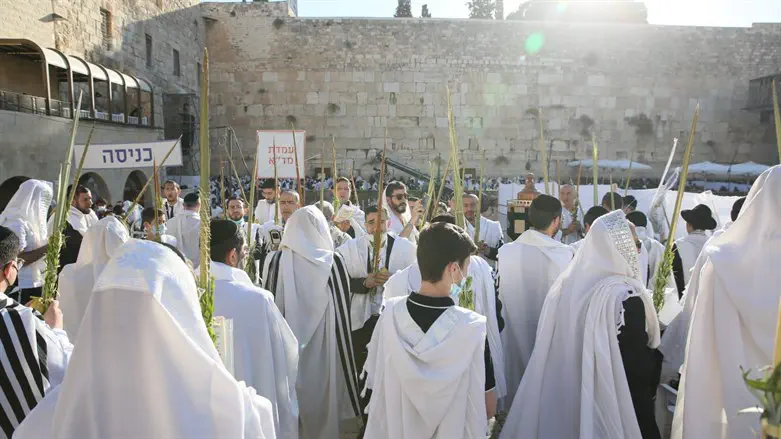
129 155
285 148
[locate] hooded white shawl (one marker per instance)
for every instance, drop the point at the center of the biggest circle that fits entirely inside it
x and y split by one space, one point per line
490 232
145 366
409 280
734 319
527 269
77 280
356 252
27 210
265 354
185 227
575 385
427 385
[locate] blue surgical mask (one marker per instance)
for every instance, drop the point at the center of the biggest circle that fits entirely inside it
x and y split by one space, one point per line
457 288
239 222
161 230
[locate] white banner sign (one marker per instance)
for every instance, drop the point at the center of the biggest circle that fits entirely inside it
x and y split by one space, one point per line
129 155
285 148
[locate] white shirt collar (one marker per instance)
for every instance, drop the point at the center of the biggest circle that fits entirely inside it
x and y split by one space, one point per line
222 271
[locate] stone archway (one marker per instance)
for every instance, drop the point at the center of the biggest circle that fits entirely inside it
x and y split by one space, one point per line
133 185
96 185
9 188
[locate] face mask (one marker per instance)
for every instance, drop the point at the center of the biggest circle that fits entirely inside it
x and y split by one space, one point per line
239 222
457 288
160 230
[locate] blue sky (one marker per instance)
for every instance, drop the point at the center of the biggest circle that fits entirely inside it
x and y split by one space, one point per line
676 12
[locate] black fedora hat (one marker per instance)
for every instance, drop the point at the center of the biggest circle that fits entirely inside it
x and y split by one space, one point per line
700 217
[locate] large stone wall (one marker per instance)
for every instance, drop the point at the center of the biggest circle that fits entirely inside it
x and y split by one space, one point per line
634 86
172 24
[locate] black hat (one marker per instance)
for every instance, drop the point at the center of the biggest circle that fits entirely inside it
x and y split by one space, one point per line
637 218
267 184
700 217
736 208
630 201
191 199
224 234
547 204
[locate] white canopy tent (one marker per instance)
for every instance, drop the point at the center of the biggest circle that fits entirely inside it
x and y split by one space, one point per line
622 165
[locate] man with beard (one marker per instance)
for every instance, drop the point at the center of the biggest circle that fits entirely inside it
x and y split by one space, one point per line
312 290
491 236
236 208
402 220
271 233
265 209
80 218
571 220
186 228
342 191
366 285
265 354
173 205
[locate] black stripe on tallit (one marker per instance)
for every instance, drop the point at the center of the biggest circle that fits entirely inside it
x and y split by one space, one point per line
27 350
43 355
10 395
272 274
339 286
13 359
5 424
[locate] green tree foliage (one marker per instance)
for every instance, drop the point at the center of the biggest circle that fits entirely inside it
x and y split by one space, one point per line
481 8
425 13
404 9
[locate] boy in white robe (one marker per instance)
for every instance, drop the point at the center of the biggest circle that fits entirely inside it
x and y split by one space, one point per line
649 263
686 250
266 208
35 351
156 230
527 269
265 351
76 280
173 204
733 323
591 374
426 363
144 324
491 237
186 229
343 190
312 290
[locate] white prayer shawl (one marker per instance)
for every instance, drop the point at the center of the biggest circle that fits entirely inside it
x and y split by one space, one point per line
490 232
337 236
178 208
27 211
186 228
265 211
566 220
357 253
77 280
144 325
409 280
34 359
689 248
304 293
655 252
575 385
397 224
734 320
527 269
265 351
406 402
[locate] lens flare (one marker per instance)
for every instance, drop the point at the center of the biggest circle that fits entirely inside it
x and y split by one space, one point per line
534 43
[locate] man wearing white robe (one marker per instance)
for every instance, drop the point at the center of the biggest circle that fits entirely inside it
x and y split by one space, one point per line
403 216
173 204
186 229
653 251
733 324
426 364
590 375
34 351
343 191
265 351
76 280
337 235
686 250
527 269
266 208
491 237
144 324
571 226
80 215
312 290
487 303
25 215
155 228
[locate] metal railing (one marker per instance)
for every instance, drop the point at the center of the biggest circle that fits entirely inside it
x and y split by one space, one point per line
102 115
118 117
133 120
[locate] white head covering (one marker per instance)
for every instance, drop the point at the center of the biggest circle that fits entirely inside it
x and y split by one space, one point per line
734 319
307 256
575 384
76 280
30 205
145 365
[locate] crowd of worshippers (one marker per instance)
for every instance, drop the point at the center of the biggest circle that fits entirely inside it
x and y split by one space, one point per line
428 333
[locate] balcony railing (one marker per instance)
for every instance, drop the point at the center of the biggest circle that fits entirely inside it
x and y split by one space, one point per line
760 93
24 103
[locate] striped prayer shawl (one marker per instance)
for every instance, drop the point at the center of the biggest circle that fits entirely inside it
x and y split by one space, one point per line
339 287
24 377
